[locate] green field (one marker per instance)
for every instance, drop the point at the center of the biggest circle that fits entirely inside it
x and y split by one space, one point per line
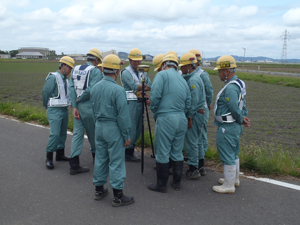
272 101
275 67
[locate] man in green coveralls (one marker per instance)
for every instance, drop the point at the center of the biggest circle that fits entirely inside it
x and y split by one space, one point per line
192 141
170 100
83 79
112 132
131 80
209 96
56 100
230 114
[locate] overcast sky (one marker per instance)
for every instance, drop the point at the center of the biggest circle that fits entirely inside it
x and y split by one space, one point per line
215 27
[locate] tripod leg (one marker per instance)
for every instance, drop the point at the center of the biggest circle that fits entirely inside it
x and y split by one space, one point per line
153 154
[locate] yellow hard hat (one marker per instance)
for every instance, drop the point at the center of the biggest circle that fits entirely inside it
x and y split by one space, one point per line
143 68
171 52
95 52
157 61
187 59
68 61
197 54
225 62
100 64
135 54
112 62
170 57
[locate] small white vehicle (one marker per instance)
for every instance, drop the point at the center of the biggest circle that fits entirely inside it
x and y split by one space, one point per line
205 63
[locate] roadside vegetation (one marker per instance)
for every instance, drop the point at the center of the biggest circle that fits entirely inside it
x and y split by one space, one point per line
270 146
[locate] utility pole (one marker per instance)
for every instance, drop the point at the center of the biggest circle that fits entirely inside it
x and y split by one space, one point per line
244 55
285 37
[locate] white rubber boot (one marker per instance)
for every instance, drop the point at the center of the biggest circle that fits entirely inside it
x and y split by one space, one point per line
229 180
237 178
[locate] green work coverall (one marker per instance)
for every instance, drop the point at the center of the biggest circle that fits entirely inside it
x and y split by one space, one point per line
84 106
57 116
112 130
135 108
209 96
228 134
192 141
170 101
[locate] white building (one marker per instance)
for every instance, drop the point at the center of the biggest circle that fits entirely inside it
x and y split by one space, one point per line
109 52
5 56
30 55
44 51
78 56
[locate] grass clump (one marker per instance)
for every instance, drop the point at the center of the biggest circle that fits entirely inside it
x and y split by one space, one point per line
269 159
24 112
147 140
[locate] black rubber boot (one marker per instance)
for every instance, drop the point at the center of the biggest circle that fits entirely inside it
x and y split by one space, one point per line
201 167
49 160
177 172
100 192
60 155
120 199
130 156
75 167
192 173
170 166
93 154
162 174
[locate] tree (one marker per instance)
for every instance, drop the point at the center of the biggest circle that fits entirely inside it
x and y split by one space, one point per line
52 53
13 53
3 52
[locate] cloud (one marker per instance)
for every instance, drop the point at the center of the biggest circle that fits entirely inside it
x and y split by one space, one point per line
2 12
292 17
154 26
41 15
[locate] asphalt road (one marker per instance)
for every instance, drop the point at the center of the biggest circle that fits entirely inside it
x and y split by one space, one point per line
31 194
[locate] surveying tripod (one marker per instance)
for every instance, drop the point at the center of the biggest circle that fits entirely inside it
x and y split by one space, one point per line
142 69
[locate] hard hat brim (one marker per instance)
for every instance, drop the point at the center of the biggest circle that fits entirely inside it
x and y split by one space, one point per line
137 59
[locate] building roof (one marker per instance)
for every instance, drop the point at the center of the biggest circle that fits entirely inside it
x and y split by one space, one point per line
76 55
30 54
23 48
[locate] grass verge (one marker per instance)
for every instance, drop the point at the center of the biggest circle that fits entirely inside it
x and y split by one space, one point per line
29 113
266 159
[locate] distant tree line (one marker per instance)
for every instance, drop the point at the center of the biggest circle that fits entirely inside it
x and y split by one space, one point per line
12 52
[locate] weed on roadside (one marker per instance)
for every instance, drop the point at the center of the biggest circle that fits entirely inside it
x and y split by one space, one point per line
269 159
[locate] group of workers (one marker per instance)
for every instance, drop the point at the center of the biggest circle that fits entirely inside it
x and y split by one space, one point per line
112 116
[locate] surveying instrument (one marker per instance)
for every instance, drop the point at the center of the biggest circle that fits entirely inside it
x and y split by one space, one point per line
141 98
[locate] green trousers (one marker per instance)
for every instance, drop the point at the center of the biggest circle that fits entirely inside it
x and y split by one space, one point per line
110 157
58 120
85 123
